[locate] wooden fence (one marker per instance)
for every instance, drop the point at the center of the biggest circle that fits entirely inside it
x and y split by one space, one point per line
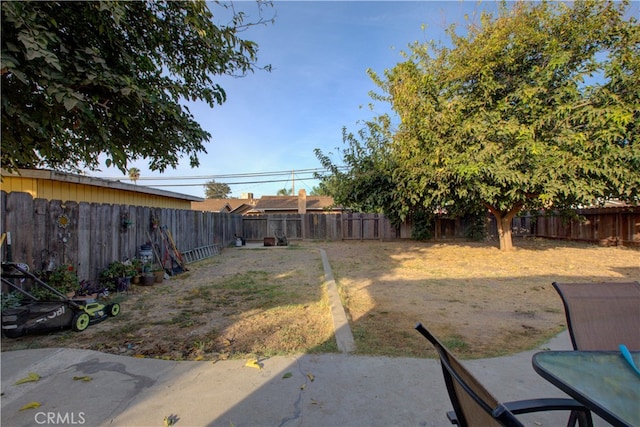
605 226
89 236
352 226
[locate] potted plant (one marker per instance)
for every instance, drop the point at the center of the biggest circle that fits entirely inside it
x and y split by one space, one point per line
64 278
147 277
137 265
147 267
158 272
117 276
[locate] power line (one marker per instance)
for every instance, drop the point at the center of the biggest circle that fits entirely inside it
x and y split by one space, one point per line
222 176
227 183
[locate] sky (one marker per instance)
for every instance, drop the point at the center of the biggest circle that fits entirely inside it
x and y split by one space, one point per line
319 52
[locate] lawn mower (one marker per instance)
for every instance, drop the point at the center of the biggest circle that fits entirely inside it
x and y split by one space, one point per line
36 316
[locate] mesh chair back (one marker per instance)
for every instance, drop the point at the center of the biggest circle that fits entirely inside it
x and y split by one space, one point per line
472 402
601 316
474 413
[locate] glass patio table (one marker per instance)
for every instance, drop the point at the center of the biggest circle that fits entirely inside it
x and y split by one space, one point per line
601 380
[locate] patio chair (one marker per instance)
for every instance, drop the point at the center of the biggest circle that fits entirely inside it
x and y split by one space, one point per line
473 405
601 316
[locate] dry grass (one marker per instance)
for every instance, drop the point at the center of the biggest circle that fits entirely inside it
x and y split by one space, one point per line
480 301
267 301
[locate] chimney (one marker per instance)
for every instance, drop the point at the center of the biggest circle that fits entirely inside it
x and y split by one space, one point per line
302 201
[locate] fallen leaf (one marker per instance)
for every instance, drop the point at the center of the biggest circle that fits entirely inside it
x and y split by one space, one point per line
32 377
170 420
253 363
287 375
30 405
84 378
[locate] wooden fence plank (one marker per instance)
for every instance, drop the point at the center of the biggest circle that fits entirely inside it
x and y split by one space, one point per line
39 233
83 232
19 225
69 236
97 244
56 231
3 218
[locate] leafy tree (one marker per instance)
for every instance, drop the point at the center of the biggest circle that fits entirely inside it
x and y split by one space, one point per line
319 190
364 181
216 190
80 79
134 174
284 192
537 107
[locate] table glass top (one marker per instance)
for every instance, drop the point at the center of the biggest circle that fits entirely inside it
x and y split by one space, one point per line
602 377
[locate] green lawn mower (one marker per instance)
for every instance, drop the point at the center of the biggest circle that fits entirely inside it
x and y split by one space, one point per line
37 316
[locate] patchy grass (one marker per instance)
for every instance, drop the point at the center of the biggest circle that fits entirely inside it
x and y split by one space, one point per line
268 301
261 302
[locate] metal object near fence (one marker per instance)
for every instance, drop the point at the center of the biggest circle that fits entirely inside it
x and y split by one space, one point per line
200 253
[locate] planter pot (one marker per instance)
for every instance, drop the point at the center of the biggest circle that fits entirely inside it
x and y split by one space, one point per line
147 279
135 279
122 284
159 276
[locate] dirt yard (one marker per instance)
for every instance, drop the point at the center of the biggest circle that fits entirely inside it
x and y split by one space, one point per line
272 300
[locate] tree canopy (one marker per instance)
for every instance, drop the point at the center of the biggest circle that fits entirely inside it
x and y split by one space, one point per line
81 79
134 174
216 190
537 107
285 192
364 182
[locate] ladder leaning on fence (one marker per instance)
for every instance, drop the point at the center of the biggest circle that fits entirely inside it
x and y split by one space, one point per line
202 252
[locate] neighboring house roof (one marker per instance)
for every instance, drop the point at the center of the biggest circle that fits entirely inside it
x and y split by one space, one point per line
243 208
267 204
616 204
224 205
212 205
290 204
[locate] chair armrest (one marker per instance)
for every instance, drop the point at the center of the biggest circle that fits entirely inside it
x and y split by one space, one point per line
579 413
544 404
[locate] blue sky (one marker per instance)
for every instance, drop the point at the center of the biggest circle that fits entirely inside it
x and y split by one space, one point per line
320 52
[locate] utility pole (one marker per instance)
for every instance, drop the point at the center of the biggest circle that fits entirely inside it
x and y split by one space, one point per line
293 184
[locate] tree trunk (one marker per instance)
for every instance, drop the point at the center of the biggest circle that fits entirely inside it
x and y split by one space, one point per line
503 221
504 233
